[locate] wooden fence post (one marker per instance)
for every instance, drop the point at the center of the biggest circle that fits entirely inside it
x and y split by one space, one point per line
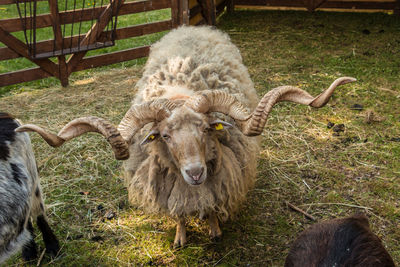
175 13
230 7
208 11
62 65
184 10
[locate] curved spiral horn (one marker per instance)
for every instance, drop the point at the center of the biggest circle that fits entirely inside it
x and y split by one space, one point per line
252 125
80 126
139 115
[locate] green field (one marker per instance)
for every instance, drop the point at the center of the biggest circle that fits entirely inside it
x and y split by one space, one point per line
326 173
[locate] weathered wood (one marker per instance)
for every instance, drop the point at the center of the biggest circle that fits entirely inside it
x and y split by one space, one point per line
21 48
359 5
45 20
175 13
93 34
62 65
379 5
194 11
184 10
270 3
122 33
87 63
208 11
112 58
21 76
197 19
397 7
7 53
230 8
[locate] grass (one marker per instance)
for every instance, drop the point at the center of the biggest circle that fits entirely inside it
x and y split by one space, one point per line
327 174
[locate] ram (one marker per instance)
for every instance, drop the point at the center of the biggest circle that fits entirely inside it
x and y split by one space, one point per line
190 132
339 242
20 195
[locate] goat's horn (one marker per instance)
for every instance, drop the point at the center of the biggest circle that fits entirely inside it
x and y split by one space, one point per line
80 126
139 115
255 124
251 125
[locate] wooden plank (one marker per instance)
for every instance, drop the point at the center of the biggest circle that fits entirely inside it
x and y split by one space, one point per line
112 58
175 13
21 48
192 3
13 2
359 5
59 44
197 19
282 3
184 5
7 53
194 11
143 29
21 76
208 11
230 8
122 33
44 20
87 63
325 4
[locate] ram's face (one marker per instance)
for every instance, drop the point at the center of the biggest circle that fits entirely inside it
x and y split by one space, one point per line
186 134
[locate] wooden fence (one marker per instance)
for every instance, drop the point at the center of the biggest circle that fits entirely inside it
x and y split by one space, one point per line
192 12
311 5
52 61
77 61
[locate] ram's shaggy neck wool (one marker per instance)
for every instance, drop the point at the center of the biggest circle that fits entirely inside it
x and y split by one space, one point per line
185 61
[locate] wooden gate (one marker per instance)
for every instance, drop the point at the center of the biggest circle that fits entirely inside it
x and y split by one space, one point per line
70 50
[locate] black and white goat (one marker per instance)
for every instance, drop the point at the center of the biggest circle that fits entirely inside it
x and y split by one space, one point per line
346 242
20 195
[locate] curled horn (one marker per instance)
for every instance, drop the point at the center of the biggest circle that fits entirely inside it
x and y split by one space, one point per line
80 126
139 115
252 125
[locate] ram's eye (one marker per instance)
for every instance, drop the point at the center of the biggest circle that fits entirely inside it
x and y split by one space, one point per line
151 137
218 126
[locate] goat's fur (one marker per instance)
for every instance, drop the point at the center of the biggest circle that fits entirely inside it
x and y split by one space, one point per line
20 194
339 242
187 60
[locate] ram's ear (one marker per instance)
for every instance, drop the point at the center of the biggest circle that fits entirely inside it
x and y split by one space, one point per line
220 125
150 137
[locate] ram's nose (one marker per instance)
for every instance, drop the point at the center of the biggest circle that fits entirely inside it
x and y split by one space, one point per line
195 172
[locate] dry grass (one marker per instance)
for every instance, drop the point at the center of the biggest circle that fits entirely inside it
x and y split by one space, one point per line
303 162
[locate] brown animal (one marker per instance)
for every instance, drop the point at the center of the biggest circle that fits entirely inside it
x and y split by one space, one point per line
189 128
346 242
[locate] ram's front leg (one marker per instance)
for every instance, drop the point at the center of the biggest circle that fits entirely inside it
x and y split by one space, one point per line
215 231
180 236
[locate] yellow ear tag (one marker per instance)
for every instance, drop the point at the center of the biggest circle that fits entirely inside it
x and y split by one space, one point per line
151 137
219 126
